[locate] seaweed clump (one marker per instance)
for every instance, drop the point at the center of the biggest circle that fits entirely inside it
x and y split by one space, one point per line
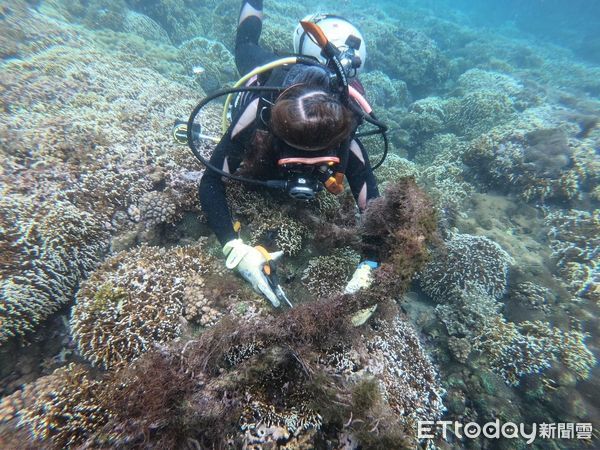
398 227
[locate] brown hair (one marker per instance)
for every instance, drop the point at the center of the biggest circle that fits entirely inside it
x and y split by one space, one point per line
311 119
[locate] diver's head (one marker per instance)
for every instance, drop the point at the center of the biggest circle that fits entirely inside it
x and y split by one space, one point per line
311 119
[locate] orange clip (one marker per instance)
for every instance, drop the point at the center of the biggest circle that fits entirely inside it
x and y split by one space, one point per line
267 255
335 183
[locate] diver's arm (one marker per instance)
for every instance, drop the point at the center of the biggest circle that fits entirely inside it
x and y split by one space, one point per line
360 175
212 190
364 188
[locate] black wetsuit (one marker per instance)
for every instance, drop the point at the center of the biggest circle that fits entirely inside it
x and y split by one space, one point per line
230 151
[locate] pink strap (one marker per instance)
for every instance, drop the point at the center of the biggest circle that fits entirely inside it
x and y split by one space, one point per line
321 160
360 99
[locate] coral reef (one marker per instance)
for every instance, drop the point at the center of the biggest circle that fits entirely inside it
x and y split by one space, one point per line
212 56
143 26
478 111
60 410
531 347
327 275
534 157
575 240
48 247
466 262
134 301
279 391
382 91
410 56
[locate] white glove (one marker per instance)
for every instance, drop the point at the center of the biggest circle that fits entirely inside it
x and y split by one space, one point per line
250 262
362 277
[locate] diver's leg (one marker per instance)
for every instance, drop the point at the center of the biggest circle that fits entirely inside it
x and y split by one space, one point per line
248 54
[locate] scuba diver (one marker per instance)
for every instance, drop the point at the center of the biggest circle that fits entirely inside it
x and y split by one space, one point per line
300 133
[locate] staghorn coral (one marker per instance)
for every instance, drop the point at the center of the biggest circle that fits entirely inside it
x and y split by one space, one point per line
466 263
47 248
60 410
133 301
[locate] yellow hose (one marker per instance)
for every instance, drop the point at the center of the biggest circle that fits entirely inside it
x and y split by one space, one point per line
241 81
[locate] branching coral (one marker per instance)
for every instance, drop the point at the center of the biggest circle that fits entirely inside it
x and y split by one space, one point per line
575 240
326 275
531 347
47 248
133 301
466 263
60 410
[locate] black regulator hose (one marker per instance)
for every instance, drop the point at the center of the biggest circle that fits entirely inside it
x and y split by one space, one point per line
277 184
